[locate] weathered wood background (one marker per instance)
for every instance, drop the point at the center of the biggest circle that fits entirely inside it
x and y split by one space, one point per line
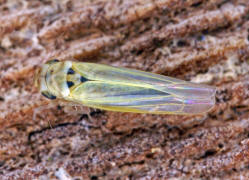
204 41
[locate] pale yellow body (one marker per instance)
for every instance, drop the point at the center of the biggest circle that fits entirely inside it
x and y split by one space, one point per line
122 89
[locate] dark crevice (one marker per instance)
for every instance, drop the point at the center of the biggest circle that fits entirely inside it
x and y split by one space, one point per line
222 3
182 43
94 178
220 145
132 163
234 169
240 109
197 4
157 42
76 123
208 153
248 36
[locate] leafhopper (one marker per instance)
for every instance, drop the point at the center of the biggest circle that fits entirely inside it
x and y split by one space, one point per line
122 89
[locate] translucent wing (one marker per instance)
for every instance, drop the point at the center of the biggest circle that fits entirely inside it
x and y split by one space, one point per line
121 89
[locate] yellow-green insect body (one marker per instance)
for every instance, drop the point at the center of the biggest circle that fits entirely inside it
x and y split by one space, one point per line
121 89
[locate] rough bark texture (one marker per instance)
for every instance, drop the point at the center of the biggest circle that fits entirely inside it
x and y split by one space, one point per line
204 41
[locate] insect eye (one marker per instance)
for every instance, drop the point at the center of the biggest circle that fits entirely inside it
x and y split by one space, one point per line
52 61
48 95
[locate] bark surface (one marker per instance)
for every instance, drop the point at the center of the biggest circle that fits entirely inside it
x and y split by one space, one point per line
203 41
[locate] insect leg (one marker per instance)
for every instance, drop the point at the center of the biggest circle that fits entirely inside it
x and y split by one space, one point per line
42 108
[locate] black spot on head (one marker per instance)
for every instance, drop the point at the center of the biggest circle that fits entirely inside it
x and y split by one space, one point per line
70 84
1 98
83 79
70 71
48 95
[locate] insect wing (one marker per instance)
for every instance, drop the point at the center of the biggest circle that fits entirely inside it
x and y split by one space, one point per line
121 89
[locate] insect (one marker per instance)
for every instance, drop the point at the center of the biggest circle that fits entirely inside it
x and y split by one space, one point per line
121 89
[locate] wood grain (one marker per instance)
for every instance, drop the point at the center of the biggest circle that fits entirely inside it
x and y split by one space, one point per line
196 40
